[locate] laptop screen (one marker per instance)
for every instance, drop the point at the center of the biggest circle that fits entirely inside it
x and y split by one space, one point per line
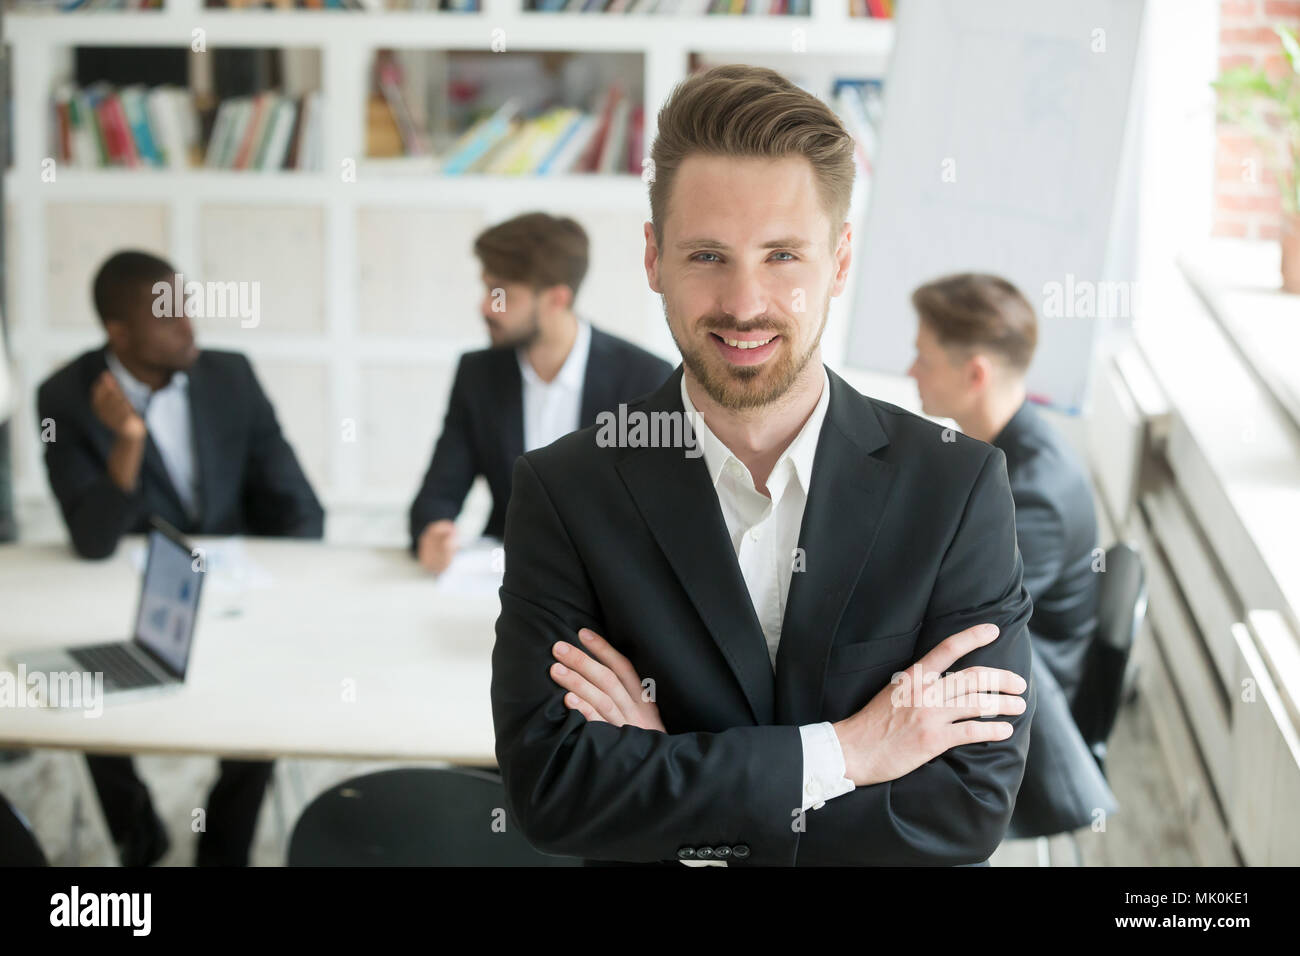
169 602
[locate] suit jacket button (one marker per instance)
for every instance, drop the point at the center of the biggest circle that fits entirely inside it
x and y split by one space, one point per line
740 851
686 853
721 852
704 853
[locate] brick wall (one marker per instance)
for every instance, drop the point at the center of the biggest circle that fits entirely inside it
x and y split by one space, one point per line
1246 206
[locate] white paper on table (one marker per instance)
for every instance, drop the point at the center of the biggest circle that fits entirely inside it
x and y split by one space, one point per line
477 569
226 563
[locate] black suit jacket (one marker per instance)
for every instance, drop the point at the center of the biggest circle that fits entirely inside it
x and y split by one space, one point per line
483 432
1056 526
907 539
249 479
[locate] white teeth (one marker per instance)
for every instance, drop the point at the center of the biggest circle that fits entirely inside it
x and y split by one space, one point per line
746 345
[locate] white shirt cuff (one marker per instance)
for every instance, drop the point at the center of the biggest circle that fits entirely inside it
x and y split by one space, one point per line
823 765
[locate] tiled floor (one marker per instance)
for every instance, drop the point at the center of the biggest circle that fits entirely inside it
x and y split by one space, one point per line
52 790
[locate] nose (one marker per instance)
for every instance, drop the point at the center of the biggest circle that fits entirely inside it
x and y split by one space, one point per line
743 296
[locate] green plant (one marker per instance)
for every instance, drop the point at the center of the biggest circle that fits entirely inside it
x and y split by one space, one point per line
1269 110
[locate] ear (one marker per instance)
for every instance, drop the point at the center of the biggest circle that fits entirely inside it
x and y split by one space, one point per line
651 258
557 297
119 336
843 257
979 372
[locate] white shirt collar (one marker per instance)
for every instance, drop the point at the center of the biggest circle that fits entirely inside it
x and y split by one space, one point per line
573 373
136 391
800 453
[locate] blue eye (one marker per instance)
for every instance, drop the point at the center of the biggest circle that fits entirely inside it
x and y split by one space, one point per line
695 258
790 254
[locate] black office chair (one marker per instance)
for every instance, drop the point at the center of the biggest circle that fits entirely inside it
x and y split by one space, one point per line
1122 606
414 816
18 846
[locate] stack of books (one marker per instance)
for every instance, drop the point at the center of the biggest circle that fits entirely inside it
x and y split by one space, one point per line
451 6
267 131
794 8
880 9
133 126
68 5
561 140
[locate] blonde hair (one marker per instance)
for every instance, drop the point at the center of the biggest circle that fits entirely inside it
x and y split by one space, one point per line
739 110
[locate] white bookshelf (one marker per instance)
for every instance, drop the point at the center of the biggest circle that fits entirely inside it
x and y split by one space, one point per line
340 364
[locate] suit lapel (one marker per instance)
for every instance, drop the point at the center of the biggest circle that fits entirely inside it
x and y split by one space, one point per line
204 426
510 389
680 506
849 490
595 387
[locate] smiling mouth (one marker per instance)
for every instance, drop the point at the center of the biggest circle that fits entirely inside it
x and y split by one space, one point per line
740 344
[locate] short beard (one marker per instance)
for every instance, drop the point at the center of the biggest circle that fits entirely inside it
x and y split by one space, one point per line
726 389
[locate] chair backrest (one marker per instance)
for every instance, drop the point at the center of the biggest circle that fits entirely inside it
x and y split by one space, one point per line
1121 607
414 816
18 846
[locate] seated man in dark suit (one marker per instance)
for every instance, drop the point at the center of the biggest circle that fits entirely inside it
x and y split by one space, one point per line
150 425
975 340
547 373
730 649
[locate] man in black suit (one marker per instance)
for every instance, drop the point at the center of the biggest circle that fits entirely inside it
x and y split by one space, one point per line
976 337
726 645
546 374
150 425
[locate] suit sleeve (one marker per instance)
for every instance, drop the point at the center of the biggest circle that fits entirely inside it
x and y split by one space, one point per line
614 793
954 809
278 498
1040 533
453 468
96 511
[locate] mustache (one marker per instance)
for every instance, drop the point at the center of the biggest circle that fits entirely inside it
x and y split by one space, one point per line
756 325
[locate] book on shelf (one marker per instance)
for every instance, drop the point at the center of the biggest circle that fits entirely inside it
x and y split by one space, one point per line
266 131
69 6
798 8
133 126
878 9
446 6
562 140
100 125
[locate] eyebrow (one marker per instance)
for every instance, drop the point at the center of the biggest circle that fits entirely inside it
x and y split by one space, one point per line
789 242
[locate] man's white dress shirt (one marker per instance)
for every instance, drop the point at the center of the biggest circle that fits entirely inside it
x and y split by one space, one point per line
765 535
166 414
553 409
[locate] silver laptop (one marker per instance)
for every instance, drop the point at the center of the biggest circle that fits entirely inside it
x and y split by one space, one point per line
158 653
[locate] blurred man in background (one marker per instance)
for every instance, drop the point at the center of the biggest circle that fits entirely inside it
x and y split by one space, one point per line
975 339
547 373
149 424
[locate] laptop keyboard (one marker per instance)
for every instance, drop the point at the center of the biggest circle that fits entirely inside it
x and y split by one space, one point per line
120 668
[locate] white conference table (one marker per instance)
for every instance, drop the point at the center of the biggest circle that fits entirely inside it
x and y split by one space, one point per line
301 649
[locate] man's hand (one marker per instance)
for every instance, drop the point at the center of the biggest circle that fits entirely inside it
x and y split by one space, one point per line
113 408
437 545
604 686
922 714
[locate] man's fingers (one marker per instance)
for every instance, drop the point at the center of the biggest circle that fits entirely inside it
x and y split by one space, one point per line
986 680
984 705
597 673
604 652
574 682
952 649
977 731
574 702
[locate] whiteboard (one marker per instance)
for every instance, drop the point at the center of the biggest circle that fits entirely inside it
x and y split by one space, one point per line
1006 125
